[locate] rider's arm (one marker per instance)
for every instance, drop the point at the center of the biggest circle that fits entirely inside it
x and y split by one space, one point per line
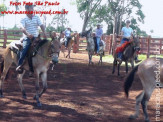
22 28
43 30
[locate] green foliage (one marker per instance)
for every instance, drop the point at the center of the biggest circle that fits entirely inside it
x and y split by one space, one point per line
2 8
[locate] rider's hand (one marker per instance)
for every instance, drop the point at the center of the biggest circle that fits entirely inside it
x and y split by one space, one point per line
44 35
30 36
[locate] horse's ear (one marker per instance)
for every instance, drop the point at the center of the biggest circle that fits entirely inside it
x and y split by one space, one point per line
39 36
53 34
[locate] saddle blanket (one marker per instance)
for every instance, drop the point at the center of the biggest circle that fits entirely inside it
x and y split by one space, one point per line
122 47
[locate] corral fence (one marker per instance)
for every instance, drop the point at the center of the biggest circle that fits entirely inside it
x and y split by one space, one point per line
149 46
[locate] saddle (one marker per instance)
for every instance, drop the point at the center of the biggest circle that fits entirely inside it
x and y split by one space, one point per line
17 46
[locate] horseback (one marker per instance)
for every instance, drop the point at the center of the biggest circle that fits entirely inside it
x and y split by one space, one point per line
95 44
67 39
35 59
128 49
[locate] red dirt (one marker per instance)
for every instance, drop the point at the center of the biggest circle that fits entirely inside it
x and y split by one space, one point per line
76 93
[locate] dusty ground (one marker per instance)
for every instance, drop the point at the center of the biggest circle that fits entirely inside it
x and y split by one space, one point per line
76 93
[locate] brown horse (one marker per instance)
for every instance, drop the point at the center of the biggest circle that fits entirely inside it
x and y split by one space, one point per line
69 46
49 51
128 55
150 73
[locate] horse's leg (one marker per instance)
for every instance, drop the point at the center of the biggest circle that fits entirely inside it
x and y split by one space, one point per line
89 59
69 51
114 64
37 90
6 67
100 61
126 63
119 68
101 58
20 77
144 102
44 83
132 64
138 101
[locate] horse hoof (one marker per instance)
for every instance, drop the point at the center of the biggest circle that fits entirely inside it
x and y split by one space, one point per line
1 96
34 97
24 96
132 117
39 104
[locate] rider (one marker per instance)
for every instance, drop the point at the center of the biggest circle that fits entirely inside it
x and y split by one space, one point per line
98 36
68 36
126 32
29 26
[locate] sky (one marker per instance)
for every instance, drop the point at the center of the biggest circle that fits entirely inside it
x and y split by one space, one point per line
151 8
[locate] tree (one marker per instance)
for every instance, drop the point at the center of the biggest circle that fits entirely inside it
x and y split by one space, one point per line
61 21
2 8
86 8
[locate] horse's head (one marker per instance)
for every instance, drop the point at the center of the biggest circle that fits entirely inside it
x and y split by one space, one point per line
136 43
86 34
54 47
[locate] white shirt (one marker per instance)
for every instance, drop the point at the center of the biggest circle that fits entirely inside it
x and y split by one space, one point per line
31 25
127 32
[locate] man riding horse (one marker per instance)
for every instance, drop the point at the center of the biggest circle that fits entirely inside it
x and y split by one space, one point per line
29 27
68 36
126 32
98 37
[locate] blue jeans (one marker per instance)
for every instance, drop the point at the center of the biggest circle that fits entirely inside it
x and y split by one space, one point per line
122 42
98 43
23 53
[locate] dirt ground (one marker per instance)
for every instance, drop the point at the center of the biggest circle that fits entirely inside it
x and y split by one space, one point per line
76 93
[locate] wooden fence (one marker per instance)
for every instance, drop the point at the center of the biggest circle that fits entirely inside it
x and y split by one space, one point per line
148 45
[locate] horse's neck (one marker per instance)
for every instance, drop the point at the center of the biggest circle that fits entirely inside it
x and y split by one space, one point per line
43 50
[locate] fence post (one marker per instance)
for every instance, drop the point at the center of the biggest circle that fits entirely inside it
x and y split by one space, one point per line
5 38
148 46
160 46
76 43
111 44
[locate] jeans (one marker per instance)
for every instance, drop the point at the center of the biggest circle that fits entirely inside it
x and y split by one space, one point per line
67 41
98 43
122 42
23 53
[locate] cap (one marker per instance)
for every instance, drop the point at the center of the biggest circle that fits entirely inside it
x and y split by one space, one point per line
29 6
128 21
98 24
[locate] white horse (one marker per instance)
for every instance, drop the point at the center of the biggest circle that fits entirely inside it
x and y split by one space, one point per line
91 46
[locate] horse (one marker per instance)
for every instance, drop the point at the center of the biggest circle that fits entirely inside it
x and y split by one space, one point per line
150 72
91 46
41 62
128 55
69 45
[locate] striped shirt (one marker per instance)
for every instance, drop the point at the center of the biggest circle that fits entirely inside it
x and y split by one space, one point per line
31 25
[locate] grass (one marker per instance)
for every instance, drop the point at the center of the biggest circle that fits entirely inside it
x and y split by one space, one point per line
109 58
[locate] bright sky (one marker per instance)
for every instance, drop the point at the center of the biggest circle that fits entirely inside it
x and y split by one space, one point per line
151 8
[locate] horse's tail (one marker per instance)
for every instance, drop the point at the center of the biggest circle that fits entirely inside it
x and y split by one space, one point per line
2 66
129 80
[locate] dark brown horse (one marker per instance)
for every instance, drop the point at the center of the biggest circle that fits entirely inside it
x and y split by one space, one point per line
128 55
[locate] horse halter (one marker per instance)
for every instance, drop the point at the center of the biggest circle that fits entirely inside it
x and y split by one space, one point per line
52 47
